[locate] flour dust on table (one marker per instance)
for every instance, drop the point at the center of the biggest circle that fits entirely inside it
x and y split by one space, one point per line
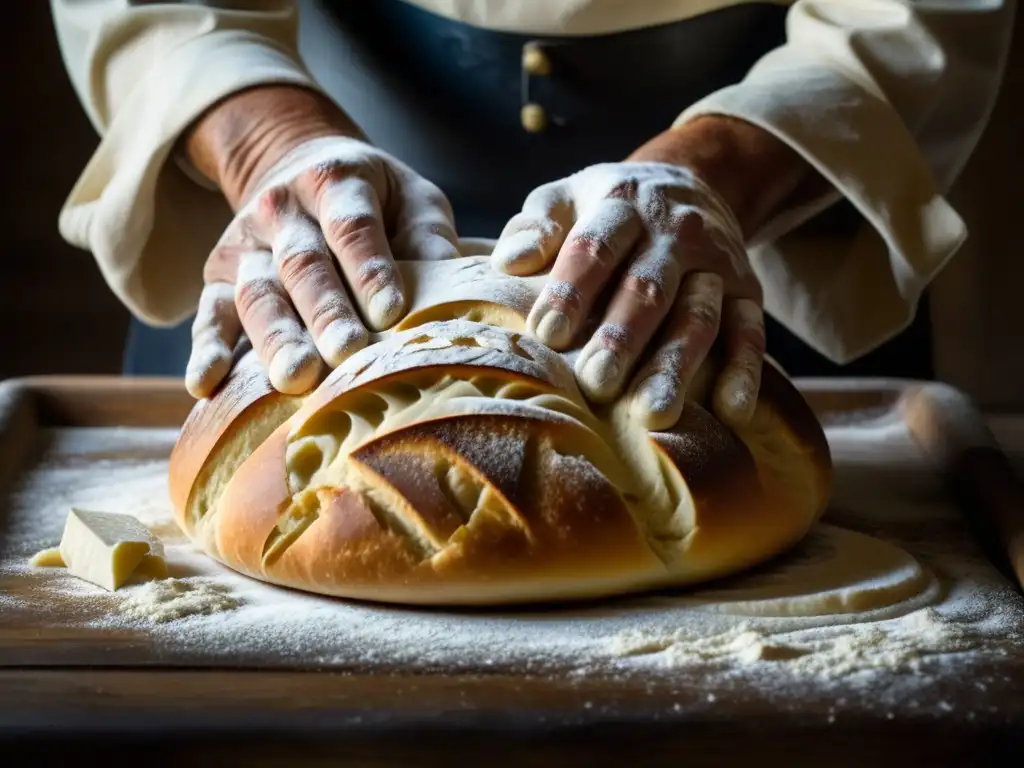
890 583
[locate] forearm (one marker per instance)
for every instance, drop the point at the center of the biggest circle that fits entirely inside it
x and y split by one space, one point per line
753 171
237 140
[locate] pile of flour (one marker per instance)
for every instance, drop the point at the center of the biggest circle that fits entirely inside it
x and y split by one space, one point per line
174 599
207 615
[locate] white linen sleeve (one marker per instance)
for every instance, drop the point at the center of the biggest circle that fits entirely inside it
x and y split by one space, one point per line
886 99
144 72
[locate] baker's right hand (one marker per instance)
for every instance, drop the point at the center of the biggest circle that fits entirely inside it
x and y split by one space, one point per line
308 263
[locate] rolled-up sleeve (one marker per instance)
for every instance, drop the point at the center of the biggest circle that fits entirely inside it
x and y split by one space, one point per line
887 100
144 72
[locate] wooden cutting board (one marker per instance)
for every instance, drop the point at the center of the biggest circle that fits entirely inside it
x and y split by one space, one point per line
102 689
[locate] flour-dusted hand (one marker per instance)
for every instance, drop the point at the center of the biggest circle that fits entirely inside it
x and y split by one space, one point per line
309 261
678 253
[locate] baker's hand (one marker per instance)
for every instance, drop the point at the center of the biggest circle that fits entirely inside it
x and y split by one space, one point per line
653 249
684 269
308 263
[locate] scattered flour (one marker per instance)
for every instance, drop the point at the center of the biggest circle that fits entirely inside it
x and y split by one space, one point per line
207 615
821 653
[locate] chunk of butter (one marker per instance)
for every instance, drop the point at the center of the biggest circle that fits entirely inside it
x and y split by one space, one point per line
106 548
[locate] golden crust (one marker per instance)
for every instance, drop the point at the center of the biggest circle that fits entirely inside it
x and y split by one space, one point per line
213 424
755 492
457 463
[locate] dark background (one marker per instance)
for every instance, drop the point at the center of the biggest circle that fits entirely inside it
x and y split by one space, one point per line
56 312
58 316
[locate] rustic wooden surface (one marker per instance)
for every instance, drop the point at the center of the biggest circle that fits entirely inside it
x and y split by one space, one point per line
311 717
254 719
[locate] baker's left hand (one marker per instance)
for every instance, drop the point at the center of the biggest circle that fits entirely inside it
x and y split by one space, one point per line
685 281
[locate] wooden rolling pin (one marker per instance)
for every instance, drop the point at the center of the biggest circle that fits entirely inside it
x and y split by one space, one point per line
955 439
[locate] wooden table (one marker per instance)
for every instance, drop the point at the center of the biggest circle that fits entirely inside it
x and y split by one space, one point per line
182 716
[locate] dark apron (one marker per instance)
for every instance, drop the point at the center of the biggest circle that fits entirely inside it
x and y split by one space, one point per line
446 98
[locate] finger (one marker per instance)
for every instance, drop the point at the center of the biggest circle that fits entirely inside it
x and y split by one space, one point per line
284 347
593 249
222 264
306 268
710 247
424 223
689 333
350 216
735 394
633 315
215 332
533 236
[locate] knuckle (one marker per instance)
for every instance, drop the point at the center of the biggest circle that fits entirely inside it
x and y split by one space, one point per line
563 295
323 175
375 273
247 231
217 266
670 358
216 303
689 225
221 265
704 317
614 336
705 284
282 330
591 249
273 202
275 336
624 190
345 228
649 289
331 306
251 293
296 266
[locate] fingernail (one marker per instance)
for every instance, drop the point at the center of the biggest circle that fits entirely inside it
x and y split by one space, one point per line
340 340
207 367
600 375
295 368
550 326
518 253
735 399
385 307
658 401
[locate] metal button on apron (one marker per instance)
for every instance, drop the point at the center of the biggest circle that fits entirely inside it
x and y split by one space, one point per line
535 61
534 118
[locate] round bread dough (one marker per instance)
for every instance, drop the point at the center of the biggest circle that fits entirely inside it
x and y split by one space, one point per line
833 571
454 461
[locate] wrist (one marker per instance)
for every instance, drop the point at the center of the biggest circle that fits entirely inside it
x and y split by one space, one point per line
754 172
239 139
